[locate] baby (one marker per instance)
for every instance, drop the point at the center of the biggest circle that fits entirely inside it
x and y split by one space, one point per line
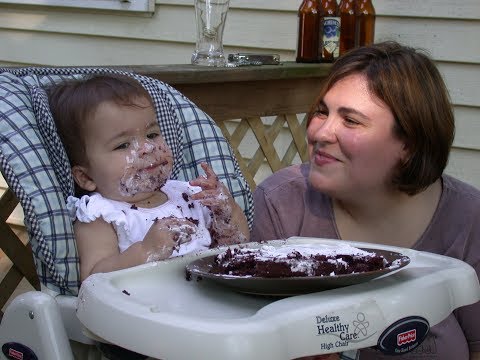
127 211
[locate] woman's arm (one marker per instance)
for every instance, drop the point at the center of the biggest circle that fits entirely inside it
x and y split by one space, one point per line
266 225
475 356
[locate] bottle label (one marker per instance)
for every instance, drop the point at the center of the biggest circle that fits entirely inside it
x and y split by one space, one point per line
331 35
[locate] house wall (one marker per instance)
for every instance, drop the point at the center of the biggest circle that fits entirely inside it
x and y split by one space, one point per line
68 37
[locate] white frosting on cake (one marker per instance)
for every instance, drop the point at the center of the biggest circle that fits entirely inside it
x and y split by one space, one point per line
306 264
268 252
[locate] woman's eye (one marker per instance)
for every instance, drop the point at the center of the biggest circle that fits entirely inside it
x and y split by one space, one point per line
351 121
122 146
321 111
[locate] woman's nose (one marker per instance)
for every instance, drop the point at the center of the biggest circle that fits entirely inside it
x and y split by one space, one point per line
323 129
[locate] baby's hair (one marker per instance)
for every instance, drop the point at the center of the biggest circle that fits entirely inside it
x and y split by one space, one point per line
72 102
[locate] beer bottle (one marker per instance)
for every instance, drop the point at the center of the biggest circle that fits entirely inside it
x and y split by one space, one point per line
308 28
347 29
329 31
364 23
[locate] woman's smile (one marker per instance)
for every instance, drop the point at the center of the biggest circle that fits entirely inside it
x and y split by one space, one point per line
322 158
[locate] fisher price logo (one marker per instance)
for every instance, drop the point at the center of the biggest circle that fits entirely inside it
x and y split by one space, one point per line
403 335
407 337
14 354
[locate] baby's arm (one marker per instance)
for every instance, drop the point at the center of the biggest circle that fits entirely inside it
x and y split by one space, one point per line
229 224
97 245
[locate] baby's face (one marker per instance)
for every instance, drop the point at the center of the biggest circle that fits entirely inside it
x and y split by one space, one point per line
128 159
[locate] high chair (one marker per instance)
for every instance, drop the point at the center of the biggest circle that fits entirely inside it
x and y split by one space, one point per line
42 324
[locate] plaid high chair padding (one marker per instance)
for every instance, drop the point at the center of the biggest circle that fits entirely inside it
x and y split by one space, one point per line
36 167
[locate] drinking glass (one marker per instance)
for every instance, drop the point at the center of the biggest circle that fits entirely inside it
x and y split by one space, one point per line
210 17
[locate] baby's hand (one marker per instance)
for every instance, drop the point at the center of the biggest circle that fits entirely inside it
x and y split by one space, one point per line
214 194
165 235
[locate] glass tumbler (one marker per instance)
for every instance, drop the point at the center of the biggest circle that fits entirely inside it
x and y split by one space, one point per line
210 17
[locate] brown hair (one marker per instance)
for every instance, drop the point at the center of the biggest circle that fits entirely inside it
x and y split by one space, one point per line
73 102
409 83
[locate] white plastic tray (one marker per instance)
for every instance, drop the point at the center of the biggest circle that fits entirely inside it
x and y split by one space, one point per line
152 309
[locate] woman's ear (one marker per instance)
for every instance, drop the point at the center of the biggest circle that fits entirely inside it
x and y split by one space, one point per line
405 153
82 179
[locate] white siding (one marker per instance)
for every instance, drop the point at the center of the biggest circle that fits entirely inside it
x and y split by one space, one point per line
449 32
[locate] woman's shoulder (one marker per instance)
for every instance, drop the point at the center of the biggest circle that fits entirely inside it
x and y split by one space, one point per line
294 176
460 203
460 191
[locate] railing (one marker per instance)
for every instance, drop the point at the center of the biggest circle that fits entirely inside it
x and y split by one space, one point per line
259 110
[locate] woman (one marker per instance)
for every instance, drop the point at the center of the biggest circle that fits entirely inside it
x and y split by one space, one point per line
379 137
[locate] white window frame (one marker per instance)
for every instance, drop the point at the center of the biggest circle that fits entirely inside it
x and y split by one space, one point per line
132 6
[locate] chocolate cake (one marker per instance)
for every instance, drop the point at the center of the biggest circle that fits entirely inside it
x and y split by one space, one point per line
296 260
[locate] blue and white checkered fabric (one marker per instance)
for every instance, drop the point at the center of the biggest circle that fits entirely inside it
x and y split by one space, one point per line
35 165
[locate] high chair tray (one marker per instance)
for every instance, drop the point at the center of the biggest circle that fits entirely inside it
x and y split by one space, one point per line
154 310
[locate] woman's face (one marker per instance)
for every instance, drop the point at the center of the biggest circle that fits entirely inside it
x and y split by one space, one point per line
352 147
127 157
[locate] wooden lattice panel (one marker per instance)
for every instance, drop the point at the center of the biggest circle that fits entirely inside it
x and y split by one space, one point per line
262 148
19 252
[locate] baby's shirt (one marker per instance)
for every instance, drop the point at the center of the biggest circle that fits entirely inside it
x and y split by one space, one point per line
132 223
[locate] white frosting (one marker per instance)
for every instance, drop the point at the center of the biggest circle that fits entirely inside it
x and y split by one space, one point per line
268 252
306 264
137 178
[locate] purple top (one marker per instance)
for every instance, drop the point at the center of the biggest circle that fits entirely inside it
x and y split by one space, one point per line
286 205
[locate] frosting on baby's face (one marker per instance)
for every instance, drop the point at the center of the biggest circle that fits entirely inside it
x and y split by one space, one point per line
148 167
